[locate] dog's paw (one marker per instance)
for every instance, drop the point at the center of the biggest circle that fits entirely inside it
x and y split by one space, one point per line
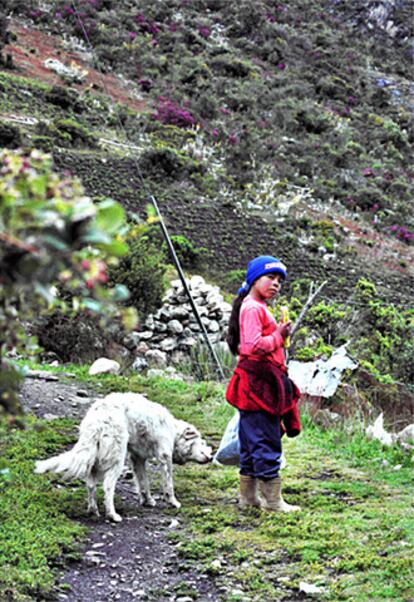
117 518
93 510
149 501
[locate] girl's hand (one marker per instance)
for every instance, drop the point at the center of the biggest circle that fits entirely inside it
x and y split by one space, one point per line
284 328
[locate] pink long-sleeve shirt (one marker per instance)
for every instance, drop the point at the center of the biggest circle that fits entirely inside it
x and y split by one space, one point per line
259 338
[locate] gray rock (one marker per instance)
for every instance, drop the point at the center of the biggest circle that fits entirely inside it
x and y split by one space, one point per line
175 327
160 327
145 335
179 313
157 357
168 344
104 365
142 348
213 326
131 341
188 342
149 322
139 364
82 393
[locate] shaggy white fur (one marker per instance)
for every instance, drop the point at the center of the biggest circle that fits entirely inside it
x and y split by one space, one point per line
122 423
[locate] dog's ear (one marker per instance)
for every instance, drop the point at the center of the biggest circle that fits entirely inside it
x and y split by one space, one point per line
189 432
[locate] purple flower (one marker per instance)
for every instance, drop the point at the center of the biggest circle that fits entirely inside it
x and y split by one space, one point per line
153 28
170 114
225 111
232 139
132 35
204 31
281 66
215 133
368 172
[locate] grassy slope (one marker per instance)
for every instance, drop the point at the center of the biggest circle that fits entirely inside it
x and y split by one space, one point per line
353 537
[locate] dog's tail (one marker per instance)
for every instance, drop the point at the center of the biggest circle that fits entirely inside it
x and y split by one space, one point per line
78 462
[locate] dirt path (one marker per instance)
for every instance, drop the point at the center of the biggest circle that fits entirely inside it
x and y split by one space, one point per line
132 560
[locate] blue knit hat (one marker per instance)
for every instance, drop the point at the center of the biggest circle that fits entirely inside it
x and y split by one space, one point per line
259 266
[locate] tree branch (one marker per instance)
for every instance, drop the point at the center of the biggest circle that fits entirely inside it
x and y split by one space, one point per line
307 305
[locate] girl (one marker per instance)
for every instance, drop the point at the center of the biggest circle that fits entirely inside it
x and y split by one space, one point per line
260 387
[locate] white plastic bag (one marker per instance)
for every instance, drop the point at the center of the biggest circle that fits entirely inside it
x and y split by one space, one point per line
228 452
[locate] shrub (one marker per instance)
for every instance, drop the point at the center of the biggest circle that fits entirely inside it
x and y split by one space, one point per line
10 136
169 113
78 134
64 98
51 233
142 270
74 339
188 255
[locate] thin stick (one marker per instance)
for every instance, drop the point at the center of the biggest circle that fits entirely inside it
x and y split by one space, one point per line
307 306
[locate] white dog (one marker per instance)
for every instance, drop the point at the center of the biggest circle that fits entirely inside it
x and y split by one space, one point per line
122 423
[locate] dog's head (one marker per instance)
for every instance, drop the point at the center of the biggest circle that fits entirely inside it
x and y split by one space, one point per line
189 445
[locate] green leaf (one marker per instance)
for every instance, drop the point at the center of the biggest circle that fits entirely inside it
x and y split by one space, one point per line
45 292
110 216
116 248
92 304
55 243
97 237
129 318
39 185
120 293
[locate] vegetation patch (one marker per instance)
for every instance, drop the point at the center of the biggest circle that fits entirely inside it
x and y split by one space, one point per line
352 539
36 532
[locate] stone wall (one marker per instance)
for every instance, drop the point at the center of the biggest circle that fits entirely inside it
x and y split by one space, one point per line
169 334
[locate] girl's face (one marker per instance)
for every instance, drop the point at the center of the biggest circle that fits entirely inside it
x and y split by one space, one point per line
266 287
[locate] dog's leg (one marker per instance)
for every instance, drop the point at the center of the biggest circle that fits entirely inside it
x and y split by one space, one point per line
110 479
167 480
142 481
92 504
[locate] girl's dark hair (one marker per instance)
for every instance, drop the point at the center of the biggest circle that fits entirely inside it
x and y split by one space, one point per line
233 332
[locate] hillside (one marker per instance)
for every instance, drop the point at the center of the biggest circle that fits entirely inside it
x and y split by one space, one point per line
259 127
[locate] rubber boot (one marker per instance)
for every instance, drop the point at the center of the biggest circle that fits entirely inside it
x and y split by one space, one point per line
248 492
272 495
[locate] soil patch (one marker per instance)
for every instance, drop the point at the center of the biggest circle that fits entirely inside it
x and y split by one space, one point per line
33 47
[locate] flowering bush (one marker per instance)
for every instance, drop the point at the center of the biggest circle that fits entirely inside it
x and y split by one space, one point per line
401 232
169 113
53 237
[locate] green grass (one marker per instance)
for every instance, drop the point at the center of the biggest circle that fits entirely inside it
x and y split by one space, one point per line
35 532
353 537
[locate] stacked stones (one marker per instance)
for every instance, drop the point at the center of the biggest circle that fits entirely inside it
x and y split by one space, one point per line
171 332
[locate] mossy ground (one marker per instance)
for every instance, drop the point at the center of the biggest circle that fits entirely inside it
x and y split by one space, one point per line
353 538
